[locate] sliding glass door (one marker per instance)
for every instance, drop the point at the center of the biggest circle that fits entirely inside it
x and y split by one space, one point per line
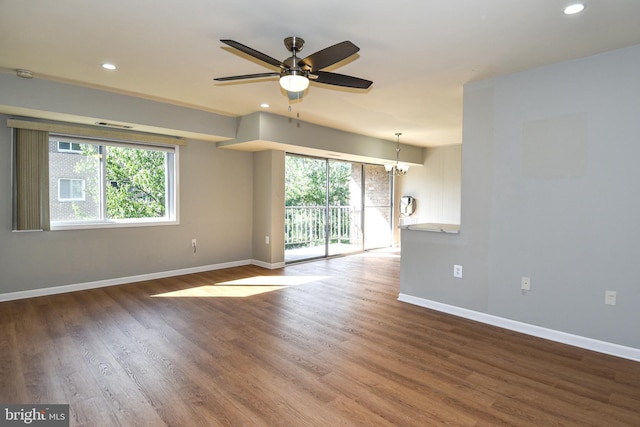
377 207
329 203
345 207
305 208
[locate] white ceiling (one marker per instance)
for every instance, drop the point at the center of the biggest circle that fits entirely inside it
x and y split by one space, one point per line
418 53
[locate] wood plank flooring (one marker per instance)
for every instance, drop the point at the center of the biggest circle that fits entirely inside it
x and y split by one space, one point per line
323 343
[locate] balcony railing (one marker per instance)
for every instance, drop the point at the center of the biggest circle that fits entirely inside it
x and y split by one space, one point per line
306 226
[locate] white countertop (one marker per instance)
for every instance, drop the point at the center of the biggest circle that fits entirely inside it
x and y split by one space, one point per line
433 227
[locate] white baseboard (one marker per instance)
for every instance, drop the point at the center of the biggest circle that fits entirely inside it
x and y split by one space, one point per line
32 293
268 265
526 328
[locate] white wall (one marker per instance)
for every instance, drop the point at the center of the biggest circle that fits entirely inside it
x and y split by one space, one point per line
549 184
436 186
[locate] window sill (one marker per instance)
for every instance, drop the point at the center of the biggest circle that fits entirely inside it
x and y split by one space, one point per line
110 224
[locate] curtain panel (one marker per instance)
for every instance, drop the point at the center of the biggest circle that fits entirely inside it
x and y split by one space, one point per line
31 180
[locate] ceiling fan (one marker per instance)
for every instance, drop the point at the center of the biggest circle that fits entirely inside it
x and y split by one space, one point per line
295 73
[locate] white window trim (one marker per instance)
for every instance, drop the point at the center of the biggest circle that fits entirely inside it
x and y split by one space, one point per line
120 223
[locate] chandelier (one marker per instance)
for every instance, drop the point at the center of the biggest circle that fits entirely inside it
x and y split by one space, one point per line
397 169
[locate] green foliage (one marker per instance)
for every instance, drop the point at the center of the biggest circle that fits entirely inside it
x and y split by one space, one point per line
339 178
306 182
135 183
134 180
305 195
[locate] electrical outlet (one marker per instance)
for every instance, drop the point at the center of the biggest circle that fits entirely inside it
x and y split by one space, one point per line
610 297
266 240
525 283
457 271
194 243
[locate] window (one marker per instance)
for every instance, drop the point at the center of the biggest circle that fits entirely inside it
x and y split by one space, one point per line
69 147
98 183
71 189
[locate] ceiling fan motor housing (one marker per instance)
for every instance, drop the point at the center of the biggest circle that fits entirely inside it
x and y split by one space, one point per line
294 44
293 78
295 71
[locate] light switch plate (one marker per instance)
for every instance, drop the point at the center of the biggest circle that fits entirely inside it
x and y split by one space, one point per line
610 297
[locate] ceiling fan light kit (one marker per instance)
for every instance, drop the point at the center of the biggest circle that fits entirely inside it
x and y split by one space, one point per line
295 73
294 81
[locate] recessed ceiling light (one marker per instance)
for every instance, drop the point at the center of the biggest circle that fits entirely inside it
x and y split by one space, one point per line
108 66
264 105
574 8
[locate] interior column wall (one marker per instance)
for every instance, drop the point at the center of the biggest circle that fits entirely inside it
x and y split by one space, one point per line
268 205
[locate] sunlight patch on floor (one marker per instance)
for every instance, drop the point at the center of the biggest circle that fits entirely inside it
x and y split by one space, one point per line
381 253
242 287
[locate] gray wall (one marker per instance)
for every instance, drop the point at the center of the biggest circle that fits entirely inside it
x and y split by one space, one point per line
222 204
307 138
215 208
268 207
548 191
79 104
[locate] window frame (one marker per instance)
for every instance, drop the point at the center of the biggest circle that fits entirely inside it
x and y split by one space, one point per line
171 176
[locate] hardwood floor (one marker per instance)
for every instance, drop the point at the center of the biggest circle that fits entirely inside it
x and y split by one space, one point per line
323 343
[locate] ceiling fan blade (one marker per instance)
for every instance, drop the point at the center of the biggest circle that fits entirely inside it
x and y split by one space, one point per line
341 80
329 56
252 52
245 76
